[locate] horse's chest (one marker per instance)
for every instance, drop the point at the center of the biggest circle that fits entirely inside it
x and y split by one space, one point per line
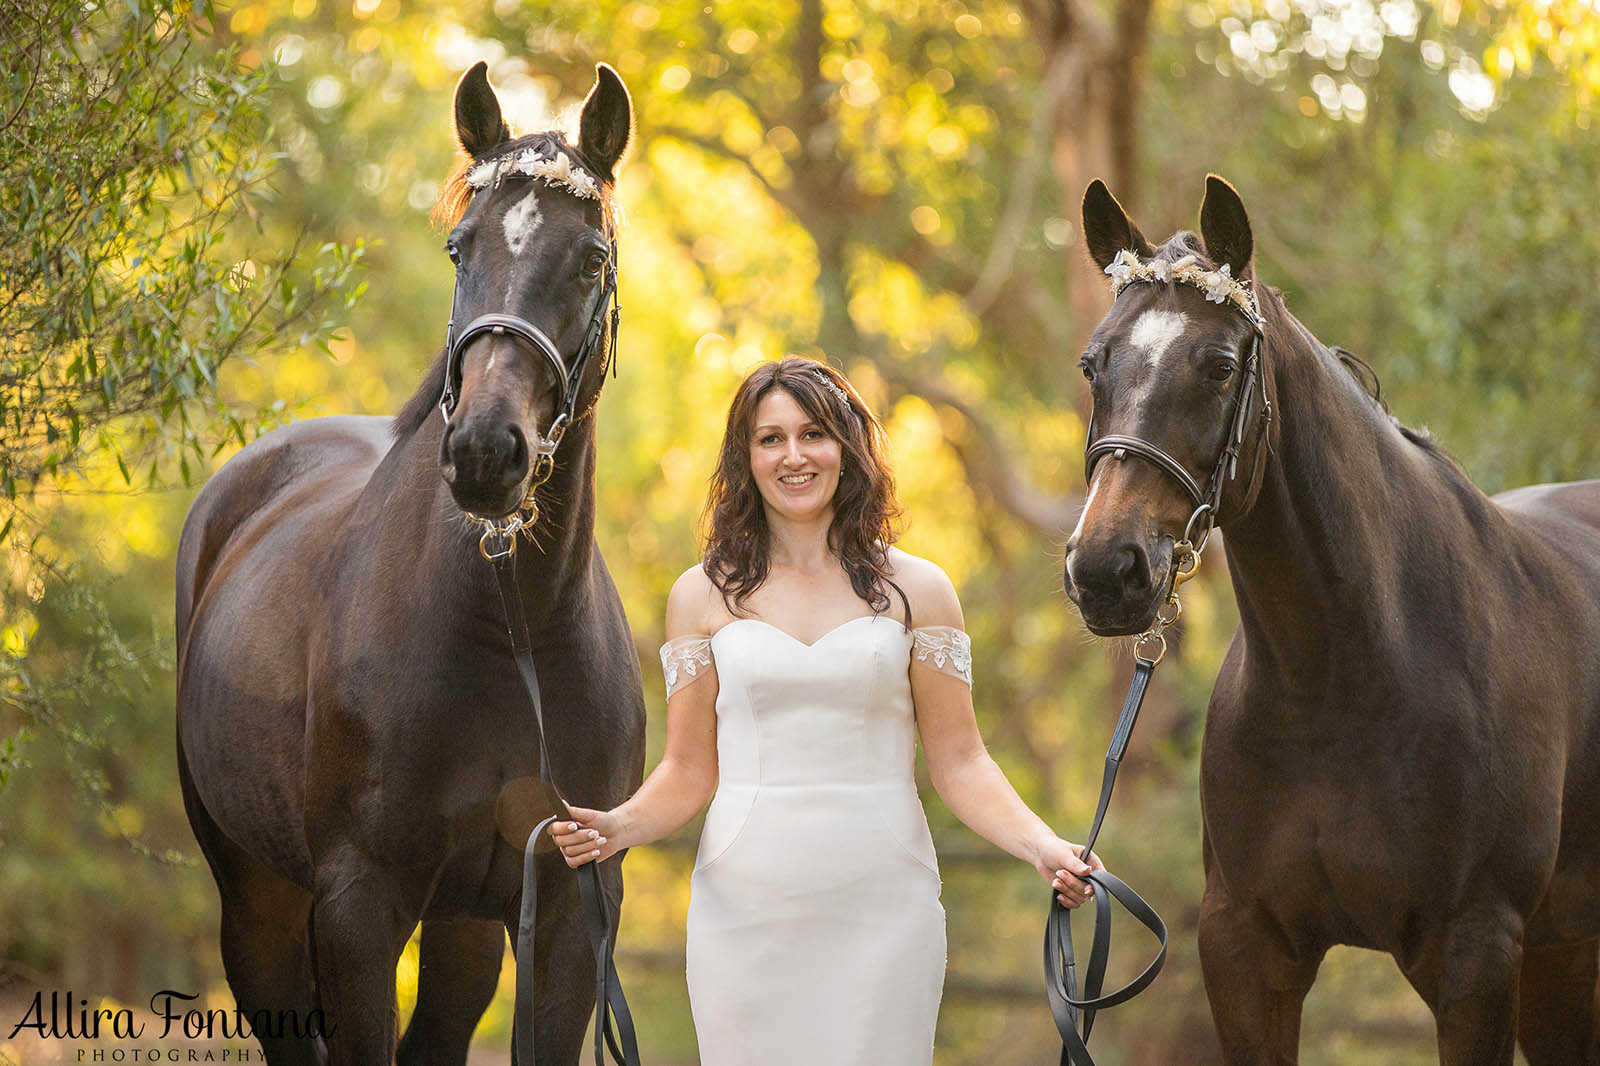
1302 823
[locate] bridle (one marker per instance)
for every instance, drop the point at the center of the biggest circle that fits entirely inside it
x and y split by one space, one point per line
1208 501
613 1024
596 338
1069 999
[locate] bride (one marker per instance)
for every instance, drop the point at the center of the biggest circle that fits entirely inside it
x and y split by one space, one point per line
805 657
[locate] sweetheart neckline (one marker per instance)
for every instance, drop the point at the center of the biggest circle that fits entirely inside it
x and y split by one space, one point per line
795 639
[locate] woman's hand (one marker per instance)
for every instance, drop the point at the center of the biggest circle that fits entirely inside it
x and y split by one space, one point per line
594 837
1061 864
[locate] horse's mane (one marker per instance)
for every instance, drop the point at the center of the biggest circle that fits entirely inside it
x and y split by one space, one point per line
423 402
454 196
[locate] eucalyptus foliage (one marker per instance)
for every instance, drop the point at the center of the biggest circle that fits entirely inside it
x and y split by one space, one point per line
133 160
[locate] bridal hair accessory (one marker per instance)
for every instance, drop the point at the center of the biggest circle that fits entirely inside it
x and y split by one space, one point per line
1220 286
823 376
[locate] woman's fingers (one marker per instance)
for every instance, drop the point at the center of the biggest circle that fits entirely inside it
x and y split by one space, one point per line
1073 889
578 843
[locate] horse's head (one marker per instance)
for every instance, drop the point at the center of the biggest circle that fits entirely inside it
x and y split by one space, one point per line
1179 434
534 245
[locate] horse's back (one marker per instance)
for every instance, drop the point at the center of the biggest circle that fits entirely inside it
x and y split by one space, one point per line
1572 507
253 564
335 452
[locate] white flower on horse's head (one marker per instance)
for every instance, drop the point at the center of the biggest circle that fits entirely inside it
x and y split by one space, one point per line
1123 269
529 163
1219 285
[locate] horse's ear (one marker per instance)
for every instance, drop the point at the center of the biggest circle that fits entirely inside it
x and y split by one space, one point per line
1107 229
479 126
1225 227
607 122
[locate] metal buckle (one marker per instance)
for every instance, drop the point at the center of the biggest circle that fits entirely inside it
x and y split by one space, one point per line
499 542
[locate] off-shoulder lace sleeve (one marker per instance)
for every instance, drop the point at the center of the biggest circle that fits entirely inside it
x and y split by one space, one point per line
684 660
945 648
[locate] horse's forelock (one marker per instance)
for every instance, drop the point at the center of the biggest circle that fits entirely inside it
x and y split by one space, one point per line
1181 244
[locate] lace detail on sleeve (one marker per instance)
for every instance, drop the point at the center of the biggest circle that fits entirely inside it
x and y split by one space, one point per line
684 660
945 648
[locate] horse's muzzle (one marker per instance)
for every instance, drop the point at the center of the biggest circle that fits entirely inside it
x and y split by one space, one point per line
1115 584
485 465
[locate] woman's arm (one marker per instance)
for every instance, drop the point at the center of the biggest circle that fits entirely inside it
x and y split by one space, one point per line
682 783
966 777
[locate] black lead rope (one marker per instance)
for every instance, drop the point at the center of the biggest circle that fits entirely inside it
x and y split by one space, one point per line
610 1003
1060 969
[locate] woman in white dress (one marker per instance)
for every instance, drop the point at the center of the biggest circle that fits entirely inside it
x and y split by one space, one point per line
805 656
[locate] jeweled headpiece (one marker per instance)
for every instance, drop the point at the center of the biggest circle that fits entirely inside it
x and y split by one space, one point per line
832 386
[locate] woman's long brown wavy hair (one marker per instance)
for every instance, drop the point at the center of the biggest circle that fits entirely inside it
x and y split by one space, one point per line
738 543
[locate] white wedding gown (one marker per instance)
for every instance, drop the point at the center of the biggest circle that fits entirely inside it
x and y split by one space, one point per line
815 932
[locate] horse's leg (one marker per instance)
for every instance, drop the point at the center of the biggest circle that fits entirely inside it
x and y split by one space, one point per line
1466 970
563 979
361 925
1556 1017
1256 981
459 971
265 936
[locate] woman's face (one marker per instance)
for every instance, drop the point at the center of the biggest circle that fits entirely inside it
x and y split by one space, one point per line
795 464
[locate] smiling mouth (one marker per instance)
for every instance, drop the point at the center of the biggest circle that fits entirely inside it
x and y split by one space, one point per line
796 479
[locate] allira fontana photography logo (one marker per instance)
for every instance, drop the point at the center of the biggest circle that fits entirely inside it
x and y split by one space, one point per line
171 1016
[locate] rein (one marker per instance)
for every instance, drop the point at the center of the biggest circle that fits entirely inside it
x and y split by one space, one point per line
609 1000
1069 999
499 546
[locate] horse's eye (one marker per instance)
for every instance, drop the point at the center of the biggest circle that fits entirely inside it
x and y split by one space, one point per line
593 263
1088 372
453 252
1223 369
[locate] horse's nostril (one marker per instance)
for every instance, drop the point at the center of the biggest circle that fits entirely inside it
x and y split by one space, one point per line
1132 568
519 448
447 462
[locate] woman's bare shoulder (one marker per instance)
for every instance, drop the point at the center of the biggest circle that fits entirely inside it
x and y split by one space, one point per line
932 594
692 604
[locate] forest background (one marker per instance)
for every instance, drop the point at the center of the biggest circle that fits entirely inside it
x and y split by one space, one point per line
213 221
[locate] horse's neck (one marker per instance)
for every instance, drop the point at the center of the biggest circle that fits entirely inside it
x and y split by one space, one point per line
554 567
1348 512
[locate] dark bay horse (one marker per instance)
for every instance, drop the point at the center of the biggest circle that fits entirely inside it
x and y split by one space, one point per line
1402 750
354 741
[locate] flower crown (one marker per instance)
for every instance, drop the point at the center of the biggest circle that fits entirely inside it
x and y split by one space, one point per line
530 163
1219 285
